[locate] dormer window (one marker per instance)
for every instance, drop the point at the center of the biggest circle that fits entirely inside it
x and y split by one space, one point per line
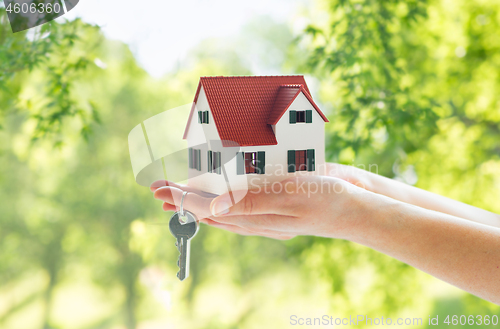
300 116
203 117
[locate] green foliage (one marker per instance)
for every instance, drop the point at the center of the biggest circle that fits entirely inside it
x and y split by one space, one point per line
393 69
77 233
63 53
413 89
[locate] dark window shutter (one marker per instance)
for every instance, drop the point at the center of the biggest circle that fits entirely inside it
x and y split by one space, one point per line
261 162
293 116
190 157
218 158
199 160
311 163
240 163
215 163
209 161
291 161
309 116
200 116
208 116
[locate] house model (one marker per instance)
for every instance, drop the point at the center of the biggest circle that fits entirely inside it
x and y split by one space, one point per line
249 131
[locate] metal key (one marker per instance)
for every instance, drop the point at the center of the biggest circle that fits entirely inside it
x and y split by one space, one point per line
183 231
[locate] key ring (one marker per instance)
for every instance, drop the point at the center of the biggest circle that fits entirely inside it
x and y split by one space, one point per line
181 213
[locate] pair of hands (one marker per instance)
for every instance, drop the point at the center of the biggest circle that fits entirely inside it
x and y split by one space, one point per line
327 206
450 240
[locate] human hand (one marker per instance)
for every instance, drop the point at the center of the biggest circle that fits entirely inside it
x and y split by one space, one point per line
381 185
197 202
359 177
312 205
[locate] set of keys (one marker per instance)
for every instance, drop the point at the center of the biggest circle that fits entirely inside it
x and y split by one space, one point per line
183 226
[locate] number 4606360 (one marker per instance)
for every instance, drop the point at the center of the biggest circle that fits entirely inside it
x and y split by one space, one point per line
471 319
33 8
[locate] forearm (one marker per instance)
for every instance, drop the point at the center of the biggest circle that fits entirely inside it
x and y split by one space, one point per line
428 200
460 252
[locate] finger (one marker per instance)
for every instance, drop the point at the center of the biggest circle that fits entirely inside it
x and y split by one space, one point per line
267 223
234 228
255 231
253 202
163 183
229 227
211 222
169 207
198 205
246 232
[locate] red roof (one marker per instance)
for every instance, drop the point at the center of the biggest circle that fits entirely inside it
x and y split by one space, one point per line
245 107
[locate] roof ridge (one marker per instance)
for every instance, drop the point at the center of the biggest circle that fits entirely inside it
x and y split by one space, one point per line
252 76
294 85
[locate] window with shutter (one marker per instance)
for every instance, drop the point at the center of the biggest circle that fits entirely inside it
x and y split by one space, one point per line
301 160
203 117
291 161
215 162
250 162
261 162
309 116
219 163
209 161
195 159
190 158
300 116
240 163
293 116
311 166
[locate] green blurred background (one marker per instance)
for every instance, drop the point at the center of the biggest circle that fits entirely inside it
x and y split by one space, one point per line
411 86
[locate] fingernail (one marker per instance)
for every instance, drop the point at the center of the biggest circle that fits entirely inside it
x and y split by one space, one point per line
220 208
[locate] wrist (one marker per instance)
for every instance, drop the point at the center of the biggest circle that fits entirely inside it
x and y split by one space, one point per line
375 215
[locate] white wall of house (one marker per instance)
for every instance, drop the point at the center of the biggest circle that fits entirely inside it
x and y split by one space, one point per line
206 137
298 136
